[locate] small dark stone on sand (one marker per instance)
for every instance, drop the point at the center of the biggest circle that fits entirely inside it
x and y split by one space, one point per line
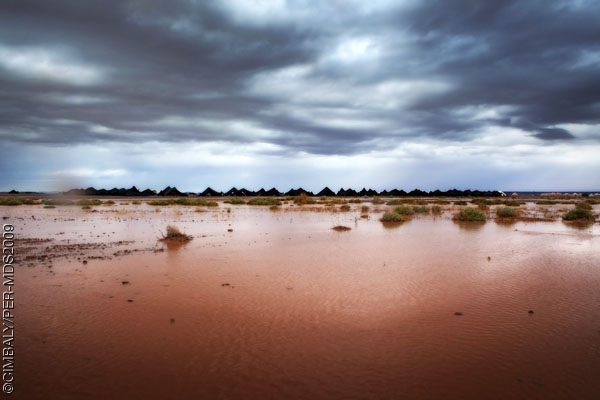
125 283
225 284
85 261
530 311
229 230
172 320
129 300
489 258
458 313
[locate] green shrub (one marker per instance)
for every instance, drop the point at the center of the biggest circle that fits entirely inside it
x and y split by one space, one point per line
236 201
345 207
354 201
10 202
420 209
264 201
58 202
460 203
404 210
506 212
376 200
436 209
471 214
394 202
89 202
392 217
579 213
442 202
183 202
583 205
420 202
303 198
364 209
513 203
109 202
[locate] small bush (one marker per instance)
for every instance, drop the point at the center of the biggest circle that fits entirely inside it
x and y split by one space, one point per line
583 205
109 202
420 202
513 203
86 208
579 214
136 202
264 201
303 198
235 201
173 233
345 207
89 202
420 209
58 202
442 202
354 201
364 209
506 212
376 200
183 202
10 202
404 210
392 217
460 203
394 202
471 214
436 209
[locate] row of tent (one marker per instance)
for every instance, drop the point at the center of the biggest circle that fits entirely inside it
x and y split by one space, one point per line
173 191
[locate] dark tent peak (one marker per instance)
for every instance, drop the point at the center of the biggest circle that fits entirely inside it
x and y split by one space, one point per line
272 192
261 192
13 192
209 192
148 192
348 192
170 191
326 192
232 192
298 192
246 192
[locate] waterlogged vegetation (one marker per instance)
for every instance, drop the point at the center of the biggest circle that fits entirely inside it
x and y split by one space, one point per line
506 212
264 201
15 201
579 214
460 203
235 201
421 209
183 202
404 210
391 216
436 209
471 214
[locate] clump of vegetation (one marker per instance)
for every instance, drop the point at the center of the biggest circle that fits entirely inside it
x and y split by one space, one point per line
471 214
376 200
506 212
86 208
546 202
420 209
341 228
345 207
235 201
513 203
109 202
395 202
173 233
583 205
392 217
436 209
404 210
136 202
89 202
579 214
420 202
264 201
183 202
49 206
58 202
442 202
354 201
274 208
460 203
364 209
303 199
10 202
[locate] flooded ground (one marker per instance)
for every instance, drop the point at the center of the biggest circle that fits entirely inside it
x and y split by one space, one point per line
266 304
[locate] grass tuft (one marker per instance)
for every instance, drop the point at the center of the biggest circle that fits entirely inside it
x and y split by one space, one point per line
471 214
392 217
579 214
506 212
264 201
404 210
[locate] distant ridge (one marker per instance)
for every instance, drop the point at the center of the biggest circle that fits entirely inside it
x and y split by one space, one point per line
234 192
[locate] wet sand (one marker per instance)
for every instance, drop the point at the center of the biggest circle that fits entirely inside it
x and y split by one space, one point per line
284 307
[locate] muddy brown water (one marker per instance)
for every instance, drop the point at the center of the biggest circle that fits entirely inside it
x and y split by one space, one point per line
308 312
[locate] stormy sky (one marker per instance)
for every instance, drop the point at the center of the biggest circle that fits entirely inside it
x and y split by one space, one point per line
251 93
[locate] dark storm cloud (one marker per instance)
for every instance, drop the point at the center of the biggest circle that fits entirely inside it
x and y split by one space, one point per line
320 78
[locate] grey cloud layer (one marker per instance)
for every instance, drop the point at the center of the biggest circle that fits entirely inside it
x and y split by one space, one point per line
338 78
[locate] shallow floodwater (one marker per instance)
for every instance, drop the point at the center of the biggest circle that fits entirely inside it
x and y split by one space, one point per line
283 307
